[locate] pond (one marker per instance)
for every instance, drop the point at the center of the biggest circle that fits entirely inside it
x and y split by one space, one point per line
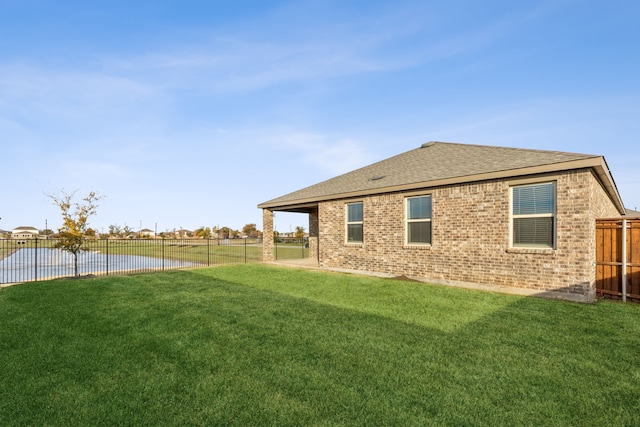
29 264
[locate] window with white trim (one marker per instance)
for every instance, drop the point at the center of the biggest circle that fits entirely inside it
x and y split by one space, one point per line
533 213
355 222
419 220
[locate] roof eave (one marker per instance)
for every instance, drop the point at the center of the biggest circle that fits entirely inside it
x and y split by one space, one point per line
606 179
597 163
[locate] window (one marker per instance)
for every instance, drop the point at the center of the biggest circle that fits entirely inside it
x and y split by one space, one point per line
354 222
419 220
533 212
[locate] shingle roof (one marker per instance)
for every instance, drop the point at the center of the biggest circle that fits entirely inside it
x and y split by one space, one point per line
633 212
441 163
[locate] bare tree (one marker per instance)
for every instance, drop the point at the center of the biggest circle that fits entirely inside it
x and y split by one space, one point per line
115 230
75 225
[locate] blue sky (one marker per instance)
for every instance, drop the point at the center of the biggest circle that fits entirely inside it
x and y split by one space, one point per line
190 113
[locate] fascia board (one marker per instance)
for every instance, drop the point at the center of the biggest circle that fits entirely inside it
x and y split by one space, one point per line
596 163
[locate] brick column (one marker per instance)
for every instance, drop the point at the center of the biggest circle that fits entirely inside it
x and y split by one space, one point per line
313 235
267 236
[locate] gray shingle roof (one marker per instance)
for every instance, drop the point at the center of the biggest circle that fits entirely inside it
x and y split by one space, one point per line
437 163
633 213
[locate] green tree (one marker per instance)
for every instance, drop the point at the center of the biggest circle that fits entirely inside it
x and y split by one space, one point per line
75 222
299 234
250 230
47 232
203 232
225 232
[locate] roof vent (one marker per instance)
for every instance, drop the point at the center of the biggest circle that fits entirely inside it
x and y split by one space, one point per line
376 178
428 144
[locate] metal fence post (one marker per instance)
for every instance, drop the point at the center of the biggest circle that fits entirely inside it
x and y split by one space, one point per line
107 254
35 258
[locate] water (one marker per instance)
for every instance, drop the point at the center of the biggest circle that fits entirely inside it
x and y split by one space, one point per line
30 264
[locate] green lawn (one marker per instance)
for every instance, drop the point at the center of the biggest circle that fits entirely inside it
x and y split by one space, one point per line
199 251
191 250
260 345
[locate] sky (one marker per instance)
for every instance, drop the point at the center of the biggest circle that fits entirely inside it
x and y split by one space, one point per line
189 113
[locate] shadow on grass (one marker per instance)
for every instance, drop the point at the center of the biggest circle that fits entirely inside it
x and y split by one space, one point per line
255 345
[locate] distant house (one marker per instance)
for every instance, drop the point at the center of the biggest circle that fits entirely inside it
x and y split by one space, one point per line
462 214
145 232
291 235
183 234
25 232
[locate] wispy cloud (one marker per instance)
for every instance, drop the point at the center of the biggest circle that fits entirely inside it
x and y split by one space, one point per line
544 122
30 81
329 155
72 106
391 39
401 37
245 65
245 59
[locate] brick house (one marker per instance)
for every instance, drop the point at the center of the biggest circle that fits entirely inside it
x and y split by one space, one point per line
462 214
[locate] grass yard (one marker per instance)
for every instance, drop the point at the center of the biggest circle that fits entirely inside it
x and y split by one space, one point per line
199 251
261 345
191 250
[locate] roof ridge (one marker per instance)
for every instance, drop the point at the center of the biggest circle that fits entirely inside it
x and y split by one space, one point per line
538 150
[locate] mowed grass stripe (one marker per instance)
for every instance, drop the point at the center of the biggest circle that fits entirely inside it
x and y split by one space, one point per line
261 345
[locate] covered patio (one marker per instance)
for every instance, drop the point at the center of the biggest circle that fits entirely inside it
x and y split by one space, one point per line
268 249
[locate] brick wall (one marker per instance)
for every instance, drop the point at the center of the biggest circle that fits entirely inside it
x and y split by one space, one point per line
471 240
267 236
601 208
313 234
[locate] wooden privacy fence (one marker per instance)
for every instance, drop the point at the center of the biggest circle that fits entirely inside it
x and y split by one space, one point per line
618 258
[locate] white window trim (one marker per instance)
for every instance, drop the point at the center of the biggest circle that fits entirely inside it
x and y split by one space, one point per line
347 223
553 214
407 221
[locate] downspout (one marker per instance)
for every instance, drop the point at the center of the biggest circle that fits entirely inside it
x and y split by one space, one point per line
624 260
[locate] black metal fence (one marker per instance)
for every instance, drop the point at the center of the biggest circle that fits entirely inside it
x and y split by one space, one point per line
291 248
39 259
